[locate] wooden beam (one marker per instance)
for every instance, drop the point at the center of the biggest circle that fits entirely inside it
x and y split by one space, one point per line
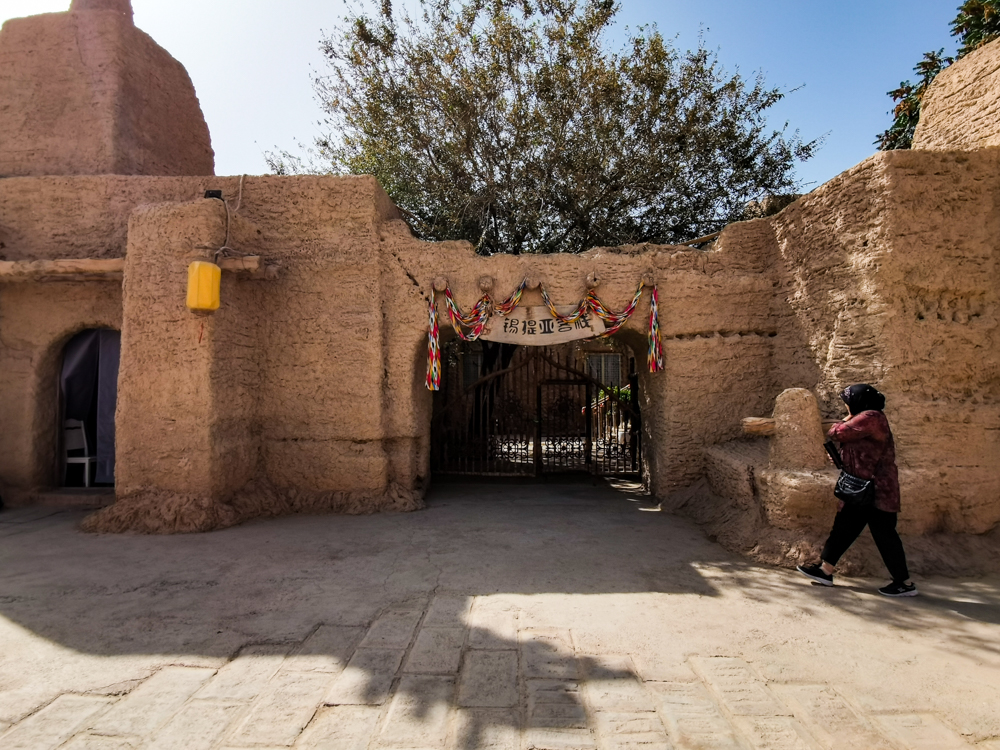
701 240
110 269
247 264
32 270
764 426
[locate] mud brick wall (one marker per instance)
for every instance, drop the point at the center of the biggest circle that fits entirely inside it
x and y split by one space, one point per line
86 92
312 382
961 108
891 272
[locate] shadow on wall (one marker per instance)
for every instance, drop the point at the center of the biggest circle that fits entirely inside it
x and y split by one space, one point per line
419 612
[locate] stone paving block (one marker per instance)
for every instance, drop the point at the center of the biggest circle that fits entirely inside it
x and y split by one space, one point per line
559 739
598 666
548 653
326 650
54 724
436 651
632 731
830 719
149 706
244 677
487 729
18 704
393 630
775 733
197 726
340 727
663 668
492 625
448 612
621 694
367 678
100 742
555 704
419 713
921 732
489 679
738 687
280 714
692 717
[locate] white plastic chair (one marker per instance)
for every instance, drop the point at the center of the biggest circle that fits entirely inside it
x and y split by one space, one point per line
75 439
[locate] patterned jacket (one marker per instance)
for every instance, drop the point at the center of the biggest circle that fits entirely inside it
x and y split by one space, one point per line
868 451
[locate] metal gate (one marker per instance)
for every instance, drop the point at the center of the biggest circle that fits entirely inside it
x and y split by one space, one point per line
508 410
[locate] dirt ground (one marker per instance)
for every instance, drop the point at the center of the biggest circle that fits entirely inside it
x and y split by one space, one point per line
502 616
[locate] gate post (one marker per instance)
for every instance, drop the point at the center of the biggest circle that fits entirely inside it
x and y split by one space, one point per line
538 431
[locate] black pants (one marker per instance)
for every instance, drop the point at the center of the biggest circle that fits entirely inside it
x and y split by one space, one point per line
849 524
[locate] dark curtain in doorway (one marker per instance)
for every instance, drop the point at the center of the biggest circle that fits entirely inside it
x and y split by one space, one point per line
89 384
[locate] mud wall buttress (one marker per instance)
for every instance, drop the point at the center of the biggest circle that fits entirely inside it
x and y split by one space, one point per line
183 387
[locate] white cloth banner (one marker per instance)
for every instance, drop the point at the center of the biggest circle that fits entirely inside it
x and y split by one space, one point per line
535 326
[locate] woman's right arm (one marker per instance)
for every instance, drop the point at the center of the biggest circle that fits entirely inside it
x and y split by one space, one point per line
858 427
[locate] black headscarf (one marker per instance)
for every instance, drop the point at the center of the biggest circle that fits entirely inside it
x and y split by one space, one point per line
862 397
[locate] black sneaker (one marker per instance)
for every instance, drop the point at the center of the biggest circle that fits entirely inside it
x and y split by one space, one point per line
899 589
816 573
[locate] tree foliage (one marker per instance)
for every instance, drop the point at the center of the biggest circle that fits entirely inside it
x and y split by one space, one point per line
977 23
510 123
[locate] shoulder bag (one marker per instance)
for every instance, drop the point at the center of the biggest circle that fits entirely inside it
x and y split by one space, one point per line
854 490
849 488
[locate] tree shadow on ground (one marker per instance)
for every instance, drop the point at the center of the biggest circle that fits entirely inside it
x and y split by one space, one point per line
210 599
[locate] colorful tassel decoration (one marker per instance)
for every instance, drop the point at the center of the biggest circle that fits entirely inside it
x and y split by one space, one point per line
433 348
654 355
470 326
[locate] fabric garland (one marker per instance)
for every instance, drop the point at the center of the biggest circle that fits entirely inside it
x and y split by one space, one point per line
508 305
481 311
615 320
477 318
654 355
574 316
433 348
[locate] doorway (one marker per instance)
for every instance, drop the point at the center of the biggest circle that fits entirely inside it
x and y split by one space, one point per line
509 410
88 396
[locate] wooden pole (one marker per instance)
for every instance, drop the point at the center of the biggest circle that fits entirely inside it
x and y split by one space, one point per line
30 270
94 269
700 240
764 426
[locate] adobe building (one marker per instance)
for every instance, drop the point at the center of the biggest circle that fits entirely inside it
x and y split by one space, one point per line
305 390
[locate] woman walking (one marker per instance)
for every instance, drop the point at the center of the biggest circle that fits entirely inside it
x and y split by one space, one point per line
868 452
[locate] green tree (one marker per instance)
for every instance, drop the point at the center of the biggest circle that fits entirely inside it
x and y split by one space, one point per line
509 123
977 23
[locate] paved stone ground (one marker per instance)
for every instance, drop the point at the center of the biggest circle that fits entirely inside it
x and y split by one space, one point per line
504 616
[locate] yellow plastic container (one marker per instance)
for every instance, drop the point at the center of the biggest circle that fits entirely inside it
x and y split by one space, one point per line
204 285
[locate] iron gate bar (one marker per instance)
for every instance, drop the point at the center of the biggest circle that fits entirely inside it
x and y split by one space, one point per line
488 428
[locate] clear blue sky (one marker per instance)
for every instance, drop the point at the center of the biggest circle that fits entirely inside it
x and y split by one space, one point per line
250 61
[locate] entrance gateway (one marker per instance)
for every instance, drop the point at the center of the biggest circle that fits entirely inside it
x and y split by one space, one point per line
520 410
533 391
